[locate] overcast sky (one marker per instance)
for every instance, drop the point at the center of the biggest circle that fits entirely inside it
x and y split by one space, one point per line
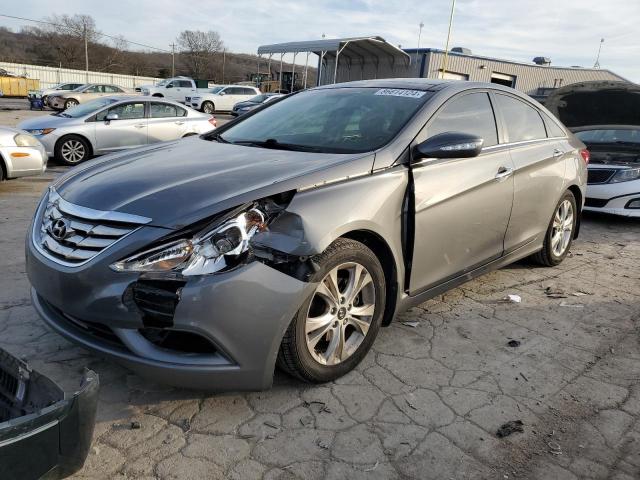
567 31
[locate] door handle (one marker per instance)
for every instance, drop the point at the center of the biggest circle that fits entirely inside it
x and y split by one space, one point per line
557 153
503 172
179 123
140 125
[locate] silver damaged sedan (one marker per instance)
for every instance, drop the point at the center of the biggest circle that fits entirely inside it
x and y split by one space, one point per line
291 235
110 124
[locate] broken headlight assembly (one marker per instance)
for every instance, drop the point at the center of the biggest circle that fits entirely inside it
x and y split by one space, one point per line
215 249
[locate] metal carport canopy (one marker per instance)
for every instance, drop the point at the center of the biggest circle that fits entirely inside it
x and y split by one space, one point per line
353 48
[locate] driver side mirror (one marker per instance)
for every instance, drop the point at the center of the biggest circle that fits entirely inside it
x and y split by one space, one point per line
222 93
111 116
449 145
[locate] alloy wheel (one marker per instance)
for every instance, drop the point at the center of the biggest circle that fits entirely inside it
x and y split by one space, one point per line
562 229
340 313
73 151
70 103
207 107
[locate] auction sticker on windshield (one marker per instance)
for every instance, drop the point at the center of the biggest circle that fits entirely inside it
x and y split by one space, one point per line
401 92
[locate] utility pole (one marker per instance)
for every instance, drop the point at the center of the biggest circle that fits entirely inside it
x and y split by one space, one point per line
173 59
446 48
224 60
419 37
86 52
597 64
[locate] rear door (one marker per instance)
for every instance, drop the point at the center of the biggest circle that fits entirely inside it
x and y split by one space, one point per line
462 205
539 164
129 130
166 122
232 95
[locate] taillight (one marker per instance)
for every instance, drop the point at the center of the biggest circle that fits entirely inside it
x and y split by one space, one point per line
214 122
584 153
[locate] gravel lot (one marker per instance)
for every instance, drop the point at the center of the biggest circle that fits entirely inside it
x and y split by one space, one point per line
426 402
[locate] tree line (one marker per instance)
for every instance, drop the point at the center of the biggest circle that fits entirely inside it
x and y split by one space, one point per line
60 42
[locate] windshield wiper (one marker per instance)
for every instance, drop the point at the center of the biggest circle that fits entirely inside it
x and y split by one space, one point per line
218 138
276 145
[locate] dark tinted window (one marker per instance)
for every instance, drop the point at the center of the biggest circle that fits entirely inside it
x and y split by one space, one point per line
553 129
470 114
185 83
336 120
522 121
164 110
248 91
234 91
125 111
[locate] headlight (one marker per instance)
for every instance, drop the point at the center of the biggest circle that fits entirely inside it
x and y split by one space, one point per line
210 251
24 140
626 175
195 99
40 131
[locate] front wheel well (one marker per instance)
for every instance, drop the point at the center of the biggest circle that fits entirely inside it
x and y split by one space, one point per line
3 169
158 95
381 249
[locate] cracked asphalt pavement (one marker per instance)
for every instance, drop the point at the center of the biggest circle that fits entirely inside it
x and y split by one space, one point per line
425 403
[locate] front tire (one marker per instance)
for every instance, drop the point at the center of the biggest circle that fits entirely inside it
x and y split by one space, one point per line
559 235
72 102
72 150
207 107
335 327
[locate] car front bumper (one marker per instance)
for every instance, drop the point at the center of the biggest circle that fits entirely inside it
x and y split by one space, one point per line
24 161
614 198
242 314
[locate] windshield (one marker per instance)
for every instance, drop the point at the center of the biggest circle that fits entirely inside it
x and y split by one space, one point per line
627 135
336 120
162 83
80 88
215 89
87 108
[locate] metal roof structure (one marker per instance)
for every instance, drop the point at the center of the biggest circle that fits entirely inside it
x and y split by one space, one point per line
356 50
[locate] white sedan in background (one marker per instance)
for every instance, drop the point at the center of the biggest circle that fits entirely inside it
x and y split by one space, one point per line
110 124
221 98
21 154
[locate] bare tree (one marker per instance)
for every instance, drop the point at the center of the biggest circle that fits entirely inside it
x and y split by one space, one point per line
198 49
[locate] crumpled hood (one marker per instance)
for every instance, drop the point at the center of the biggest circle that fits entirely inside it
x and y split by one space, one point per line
181 182
47 121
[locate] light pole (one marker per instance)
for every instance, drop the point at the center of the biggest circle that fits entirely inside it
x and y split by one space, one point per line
446 48
173 59
419 37
597 64
86 52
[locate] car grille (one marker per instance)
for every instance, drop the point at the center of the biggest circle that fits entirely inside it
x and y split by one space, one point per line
72 235
600 175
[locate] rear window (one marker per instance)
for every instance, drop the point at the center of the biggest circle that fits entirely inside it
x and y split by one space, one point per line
335 120
522 121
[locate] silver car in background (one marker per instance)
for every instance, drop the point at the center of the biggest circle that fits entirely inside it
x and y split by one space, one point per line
21 154
115 123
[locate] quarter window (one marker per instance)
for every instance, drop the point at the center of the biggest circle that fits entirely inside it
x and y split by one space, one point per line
521 121
553 129
470 114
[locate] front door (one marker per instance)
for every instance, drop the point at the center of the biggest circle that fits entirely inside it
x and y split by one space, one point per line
129 130
462 206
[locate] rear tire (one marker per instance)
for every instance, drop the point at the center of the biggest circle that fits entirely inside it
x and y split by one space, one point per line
335 327
207 107
72 150
559 235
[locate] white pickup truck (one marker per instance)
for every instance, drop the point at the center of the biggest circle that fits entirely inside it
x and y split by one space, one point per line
176 89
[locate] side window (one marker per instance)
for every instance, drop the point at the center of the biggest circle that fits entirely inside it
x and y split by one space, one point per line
522 121
125 111
185 84
92 89
164 110
470 114
553 129
68 86
249 91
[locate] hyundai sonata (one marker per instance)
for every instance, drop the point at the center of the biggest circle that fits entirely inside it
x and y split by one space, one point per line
292 234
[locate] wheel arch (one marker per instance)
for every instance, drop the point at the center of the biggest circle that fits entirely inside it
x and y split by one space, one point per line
158 95
377 244
4 170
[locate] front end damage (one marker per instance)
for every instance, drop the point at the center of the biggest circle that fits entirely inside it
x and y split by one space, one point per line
43 433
